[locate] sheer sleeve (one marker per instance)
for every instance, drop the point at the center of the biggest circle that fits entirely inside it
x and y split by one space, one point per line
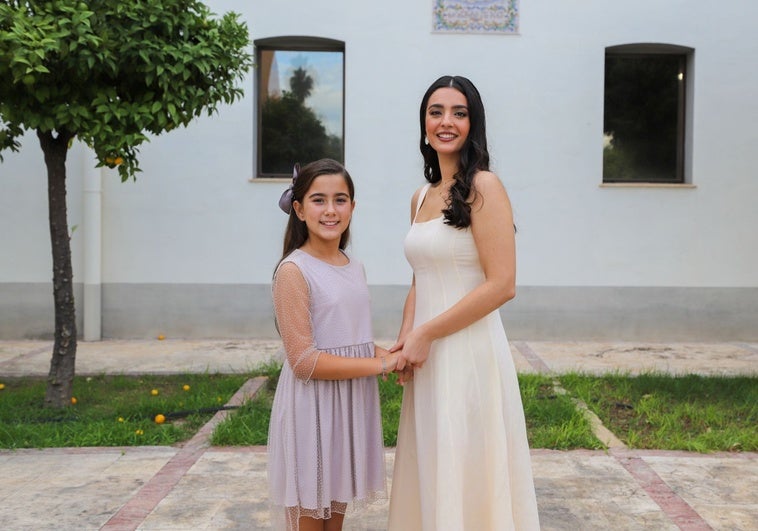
292 309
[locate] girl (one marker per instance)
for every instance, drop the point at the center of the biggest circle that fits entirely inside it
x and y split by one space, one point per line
325 437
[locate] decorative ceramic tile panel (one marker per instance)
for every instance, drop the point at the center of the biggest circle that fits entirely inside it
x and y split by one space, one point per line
476 16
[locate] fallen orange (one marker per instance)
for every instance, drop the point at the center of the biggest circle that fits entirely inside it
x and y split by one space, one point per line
160 419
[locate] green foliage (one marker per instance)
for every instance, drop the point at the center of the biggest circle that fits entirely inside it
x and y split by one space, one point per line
291 132
112 72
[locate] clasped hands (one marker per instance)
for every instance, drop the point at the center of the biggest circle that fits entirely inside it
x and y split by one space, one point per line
412 352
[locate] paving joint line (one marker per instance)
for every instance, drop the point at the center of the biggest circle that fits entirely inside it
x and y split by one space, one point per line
537 363
146 499
28 353
673 506
603 434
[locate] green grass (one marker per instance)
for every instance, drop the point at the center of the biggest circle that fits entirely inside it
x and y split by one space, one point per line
654 411
248 425
552 419
112 410
694 413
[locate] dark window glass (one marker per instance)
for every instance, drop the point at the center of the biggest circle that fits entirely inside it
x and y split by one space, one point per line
300 104
644 117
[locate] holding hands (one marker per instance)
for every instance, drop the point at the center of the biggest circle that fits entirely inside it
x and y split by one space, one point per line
413 350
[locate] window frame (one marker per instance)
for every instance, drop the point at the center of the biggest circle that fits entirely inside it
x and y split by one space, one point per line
295 44
684 109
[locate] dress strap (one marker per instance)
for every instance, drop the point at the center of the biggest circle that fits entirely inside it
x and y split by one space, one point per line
420 201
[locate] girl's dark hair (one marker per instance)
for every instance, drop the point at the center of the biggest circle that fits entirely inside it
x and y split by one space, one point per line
296 233
474 155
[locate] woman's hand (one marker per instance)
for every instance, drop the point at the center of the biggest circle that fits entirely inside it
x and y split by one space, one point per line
416 349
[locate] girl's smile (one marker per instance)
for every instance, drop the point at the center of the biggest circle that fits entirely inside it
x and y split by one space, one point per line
326 209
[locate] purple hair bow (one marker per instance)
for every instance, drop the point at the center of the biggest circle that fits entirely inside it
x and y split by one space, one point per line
285 201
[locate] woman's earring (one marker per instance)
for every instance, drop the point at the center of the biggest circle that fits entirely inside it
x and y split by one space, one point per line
426 141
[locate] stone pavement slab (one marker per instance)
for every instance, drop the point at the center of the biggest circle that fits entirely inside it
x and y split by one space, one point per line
28 358
195 486
80 489
715 359
72 488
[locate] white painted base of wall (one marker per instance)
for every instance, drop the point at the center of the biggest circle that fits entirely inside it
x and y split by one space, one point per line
140 311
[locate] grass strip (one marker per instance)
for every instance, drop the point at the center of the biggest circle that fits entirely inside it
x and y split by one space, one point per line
657 411
113 410
651 411
552 419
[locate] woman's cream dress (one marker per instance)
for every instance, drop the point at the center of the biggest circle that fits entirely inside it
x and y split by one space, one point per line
462 459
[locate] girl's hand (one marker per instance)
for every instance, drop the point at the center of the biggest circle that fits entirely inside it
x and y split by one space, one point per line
405 375
389 363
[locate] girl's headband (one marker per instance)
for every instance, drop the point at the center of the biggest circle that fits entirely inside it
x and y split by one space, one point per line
285 201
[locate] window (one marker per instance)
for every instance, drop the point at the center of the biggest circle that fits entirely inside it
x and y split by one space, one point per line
300 105
645 116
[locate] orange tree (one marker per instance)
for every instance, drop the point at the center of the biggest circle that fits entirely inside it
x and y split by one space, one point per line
109 73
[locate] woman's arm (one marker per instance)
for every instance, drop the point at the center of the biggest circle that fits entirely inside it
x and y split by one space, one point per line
409 308
292 309
494 235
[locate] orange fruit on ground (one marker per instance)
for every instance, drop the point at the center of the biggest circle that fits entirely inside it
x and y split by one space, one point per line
186 387
161 337
160 419
73 400
154 392
2 386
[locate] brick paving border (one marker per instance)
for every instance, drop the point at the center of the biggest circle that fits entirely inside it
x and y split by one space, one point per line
144 501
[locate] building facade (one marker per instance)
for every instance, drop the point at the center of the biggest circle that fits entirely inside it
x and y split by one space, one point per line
189 248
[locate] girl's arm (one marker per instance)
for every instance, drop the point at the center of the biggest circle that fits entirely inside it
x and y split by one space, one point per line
494 235
292 310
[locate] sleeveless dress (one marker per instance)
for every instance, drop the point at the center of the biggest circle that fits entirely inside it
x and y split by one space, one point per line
325 445
462 460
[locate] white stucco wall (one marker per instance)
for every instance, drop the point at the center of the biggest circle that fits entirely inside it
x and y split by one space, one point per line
194 217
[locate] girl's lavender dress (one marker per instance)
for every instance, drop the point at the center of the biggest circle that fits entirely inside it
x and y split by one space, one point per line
325 446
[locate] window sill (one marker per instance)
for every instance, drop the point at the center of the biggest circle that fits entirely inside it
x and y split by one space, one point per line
648 185
270 180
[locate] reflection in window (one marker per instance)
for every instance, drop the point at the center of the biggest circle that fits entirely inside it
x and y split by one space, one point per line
643 131
300 103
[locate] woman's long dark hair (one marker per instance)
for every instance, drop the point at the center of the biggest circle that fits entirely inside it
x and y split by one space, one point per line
296 233
474 154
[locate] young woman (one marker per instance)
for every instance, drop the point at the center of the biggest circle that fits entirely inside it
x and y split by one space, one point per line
462 459
325 443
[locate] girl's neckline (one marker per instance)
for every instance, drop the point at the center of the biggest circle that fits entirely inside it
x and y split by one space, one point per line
306 253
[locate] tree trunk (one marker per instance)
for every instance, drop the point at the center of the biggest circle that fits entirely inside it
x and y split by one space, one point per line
61 377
